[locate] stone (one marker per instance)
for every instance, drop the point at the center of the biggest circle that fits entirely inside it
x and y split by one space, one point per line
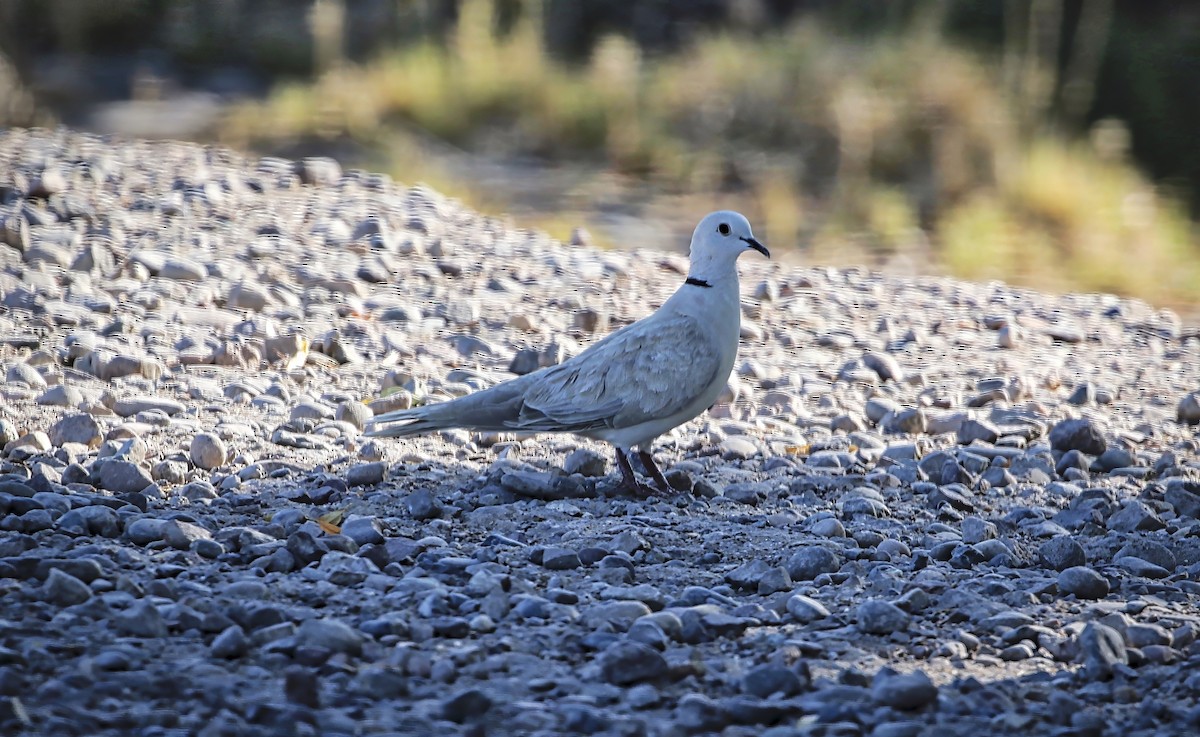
1188 411
586 462
63 589
231 643
1061 553
180 535
23 373
904 691
738 448
141 619
880 617
808 563
122 477
1083 582
560 559
333 635
625 663
367 474
207 451
76 428
60 395
1082 435
1101 648
132 405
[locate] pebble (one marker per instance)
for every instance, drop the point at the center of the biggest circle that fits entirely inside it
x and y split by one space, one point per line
1083 582
626 663
905 691
880 617
63 589
207 451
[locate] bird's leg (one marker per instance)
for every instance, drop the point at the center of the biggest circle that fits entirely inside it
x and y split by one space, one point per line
651 468
629 480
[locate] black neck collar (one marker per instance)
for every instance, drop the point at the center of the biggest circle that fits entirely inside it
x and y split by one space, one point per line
697 282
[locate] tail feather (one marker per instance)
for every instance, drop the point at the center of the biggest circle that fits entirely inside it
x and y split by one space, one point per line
492 409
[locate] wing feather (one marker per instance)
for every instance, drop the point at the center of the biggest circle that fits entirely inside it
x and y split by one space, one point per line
649 370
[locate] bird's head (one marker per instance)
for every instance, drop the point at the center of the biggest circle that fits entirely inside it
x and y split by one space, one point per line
718 240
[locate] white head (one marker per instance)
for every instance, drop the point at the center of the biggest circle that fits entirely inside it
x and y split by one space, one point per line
717 242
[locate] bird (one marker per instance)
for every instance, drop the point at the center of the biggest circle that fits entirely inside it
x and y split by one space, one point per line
633 385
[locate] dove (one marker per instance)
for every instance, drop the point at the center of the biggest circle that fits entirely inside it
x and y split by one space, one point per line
635 384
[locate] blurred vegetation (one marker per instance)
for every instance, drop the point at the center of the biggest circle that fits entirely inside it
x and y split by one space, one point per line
1044 142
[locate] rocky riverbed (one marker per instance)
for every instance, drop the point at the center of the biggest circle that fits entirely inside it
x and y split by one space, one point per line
923 507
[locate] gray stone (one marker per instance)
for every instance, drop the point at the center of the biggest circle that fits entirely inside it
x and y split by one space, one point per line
129 406
1188 411
231 643
1101 648
331 634
367 474
141 619
1061 553
94 520
423 505
1083 582
208 451
77 428
904 691
1082 435
122 477
23 373
63 589
808 563
880 617
738 448
625 663
586 462
971 430
363 530
180 535
355 413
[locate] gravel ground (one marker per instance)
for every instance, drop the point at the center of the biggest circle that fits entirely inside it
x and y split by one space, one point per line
924 507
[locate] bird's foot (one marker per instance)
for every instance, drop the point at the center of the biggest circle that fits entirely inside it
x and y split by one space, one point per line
660 481
629 481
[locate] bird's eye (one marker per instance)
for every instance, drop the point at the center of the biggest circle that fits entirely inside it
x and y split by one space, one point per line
723 228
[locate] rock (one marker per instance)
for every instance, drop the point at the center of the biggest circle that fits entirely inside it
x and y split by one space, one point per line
333 635
808 563
77 428
363 530
23 373
93 520
738 448
180 535
1082 435
1083 582
560 559
122 477
141 619
129 406
1188 411
805 609
880 617
145 530
231 643
1101 649
904 691
182 269
586 462
63 589
1061 553
767 680
60 395
625 663
971 430
367 474
208 451
466 706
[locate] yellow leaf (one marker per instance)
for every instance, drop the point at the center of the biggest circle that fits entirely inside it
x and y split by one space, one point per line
797 449
331 522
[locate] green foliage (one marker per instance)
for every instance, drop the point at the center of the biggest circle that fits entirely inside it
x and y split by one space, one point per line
851 148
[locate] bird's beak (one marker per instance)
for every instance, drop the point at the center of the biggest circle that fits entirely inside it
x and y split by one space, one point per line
757 246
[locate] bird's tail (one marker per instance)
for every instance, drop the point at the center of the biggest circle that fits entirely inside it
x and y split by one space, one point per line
493 409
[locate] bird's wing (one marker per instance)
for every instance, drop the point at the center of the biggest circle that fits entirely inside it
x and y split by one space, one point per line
650 370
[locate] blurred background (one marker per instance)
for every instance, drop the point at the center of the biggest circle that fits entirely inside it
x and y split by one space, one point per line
1051 143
